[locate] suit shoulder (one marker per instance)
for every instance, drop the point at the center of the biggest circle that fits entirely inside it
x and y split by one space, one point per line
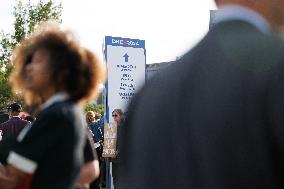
3 124
60 108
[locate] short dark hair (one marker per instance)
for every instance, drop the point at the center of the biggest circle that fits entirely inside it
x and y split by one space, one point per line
15 107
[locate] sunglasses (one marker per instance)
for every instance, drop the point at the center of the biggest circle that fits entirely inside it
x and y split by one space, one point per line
114 115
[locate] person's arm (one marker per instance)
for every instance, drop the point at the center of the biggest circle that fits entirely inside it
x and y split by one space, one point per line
89 172
10 177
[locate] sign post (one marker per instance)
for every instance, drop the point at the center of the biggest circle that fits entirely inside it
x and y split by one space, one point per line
126 63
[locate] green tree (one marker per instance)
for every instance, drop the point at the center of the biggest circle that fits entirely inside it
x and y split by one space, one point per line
94 107
5 92
26 17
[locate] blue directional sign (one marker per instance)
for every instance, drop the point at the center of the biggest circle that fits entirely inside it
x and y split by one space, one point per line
126 63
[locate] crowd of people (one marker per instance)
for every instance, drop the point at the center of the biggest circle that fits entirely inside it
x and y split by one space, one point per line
16 120
214 119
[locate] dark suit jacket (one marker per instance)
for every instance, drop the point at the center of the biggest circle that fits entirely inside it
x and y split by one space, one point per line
3 117
13 127
213 120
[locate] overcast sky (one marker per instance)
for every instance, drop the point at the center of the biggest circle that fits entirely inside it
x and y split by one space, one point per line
169 27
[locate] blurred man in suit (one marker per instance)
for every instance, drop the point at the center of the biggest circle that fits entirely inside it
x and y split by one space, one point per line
15 124
215 118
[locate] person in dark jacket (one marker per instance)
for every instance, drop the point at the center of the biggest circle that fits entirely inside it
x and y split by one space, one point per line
118 117
214 119
96 129
15 124
97 136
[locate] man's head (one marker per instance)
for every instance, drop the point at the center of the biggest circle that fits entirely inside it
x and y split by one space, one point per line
14 109
271 10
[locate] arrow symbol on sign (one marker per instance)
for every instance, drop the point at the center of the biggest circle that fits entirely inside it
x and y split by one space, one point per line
126 57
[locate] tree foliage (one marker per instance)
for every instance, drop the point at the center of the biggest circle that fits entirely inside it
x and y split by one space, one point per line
26 17
94 107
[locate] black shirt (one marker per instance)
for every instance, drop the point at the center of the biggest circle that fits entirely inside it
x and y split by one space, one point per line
89 148
52 149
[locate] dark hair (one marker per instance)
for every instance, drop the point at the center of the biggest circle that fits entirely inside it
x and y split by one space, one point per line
15 107
73 68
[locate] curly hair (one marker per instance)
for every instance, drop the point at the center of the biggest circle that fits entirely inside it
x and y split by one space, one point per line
90 117
73 69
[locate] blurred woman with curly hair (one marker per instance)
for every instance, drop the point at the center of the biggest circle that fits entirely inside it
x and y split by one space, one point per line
55 75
